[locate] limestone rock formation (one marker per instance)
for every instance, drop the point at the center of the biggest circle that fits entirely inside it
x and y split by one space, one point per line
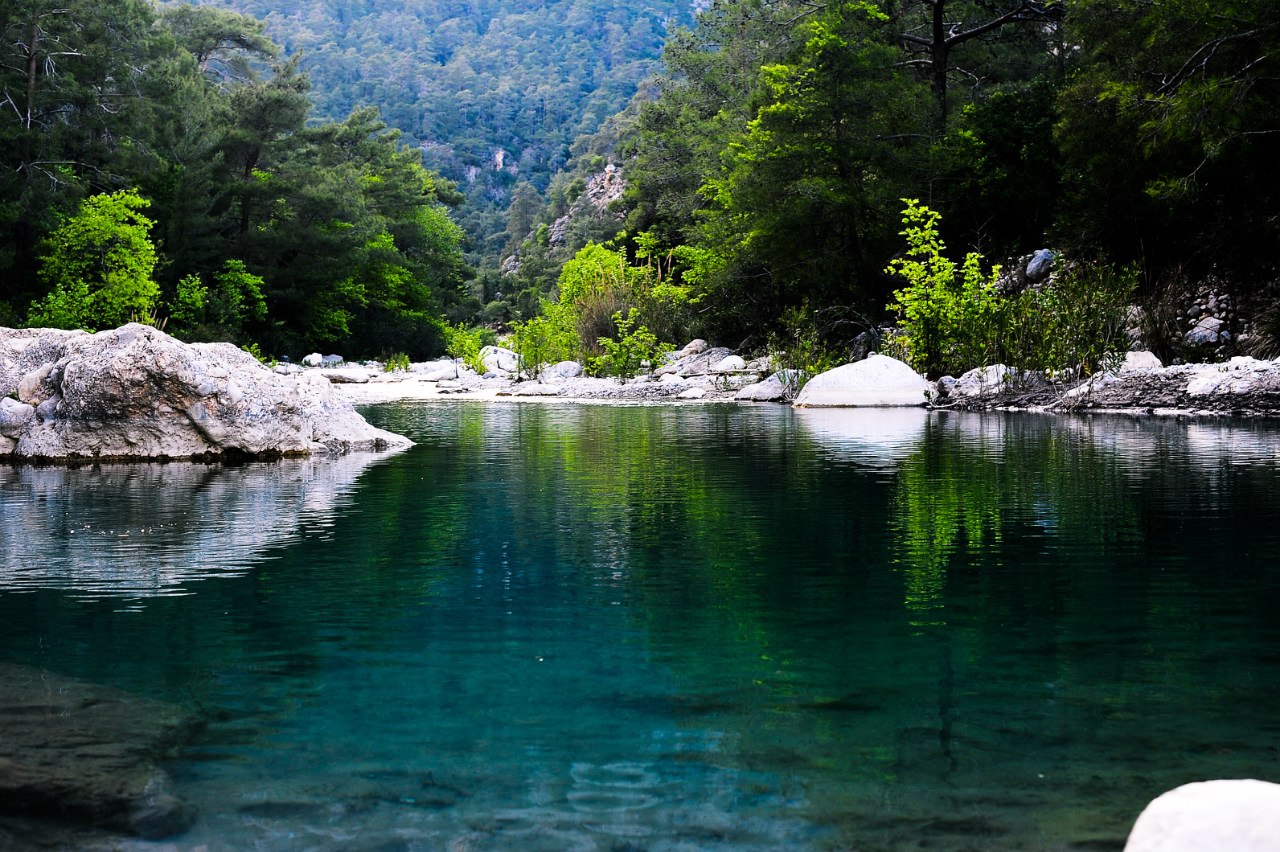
135 392
876 381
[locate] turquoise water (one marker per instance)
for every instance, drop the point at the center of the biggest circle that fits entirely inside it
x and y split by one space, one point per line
713 627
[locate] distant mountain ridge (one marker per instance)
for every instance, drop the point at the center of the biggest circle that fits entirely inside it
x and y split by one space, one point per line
493 91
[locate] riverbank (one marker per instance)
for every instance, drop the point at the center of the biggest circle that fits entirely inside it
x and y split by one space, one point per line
1242 386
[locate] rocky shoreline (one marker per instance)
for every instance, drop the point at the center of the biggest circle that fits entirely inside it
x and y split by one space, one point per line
136 393
1241 386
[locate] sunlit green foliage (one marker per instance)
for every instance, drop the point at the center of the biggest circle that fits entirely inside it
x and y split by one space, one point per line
98 266
633 348
465 342
950 316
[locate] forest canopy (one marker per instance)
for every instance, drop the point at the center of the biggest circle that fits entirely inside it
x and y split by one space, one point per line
160 165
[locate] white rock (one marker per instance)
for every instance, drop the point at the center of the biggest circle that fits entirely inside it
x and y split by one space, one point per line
135 392
1136 362
692 393
563 370
1241 816
771 389
313 360
496 359
670 379
983 381
348 375
876 381
731 364
693 347
287 369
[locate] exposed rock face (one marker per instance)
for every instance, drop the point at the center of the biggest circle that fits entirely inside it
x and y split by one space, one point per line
135 392
603 189
1243 816
80 752
876 381
1240 384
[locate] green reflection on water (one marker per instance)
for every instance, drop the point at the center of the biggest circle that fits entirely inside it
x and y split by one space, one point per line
978 630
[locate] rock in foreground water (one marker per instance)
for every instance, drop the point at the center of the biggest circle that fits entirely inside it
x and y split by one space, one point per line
1240 815
135 392
84 753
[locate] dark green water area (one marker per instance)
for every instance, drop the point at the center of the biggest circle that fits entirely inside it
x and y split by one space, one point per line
660 628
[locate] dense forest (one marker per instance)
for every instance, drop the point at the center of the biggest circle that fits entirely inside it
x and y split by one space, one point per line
766 167
494 93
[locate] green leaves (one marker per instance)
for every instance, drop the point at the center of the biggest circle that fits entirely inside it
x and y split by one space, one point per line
949 323
99 265
633 347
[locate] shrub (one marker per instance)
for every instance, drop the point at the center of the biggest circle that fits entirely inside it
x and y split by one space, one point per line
954 319
466 342
634 347
399 362
800 350
948 322
545 339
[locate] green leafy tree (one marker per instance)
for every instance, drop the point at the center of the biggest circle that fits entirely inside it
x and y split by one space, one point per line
99 266
800 206
949 322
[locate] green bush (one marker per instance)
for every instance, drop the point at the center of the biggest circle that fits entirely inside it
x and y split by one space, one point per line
545 339
633 348
949 322
465 342
98 266
953 319
800 350
399 362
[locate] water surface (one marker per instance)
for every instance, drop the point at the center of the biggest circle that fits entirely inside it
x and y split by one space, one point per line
714 627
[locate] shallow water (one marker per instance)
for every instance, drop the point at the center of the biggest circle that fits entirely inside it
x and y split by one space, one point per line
576 627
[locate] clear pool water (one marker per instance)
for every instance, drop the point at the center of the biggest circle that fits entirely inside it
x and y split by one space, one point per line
714 627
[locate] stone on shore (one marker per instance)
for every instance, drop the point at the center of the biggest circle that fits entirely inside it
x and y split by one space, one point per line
498 360
695 364
729 364
135 393
1239 815
1136 362
79 752
563 370
772 389
876 381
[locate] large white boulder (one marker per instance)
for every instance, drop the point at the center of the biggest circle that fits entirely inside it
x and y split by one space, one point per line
1141 361
499 360
1242 816
729 364
876 381
135 392
563 370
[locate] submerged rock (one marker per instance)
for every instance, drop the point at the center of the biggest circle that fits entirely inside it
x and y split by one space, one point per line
135 392
74 751
1240 815
876 381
